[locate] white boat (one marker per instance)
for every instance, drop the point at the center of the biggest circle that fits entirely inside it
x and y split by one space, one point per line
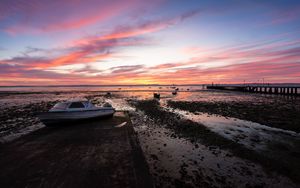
73 111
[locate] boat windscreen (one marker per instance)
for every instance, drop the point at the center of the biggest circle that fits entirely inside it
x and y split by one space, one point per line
76 105
60 106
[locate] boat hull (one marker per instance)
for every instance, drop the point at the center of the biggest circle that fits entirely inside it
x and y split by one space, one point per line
60 118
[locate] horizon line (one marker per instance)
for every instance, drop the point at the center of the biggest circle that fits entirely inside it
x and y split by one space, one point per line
108 85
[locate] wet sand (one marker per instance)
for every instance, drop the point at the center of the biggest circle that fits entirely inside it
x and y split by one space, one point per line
286 163
175 161
275 111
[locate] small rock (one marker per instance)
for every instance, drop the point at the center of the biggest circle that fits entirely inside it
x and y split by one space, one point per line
154 157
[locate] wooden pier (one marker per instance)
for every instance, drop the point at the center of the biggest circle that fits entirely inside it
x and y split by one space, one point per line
277 90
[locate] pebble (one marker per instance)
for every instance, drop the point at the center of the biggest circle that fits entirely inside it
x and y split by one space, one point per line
154 157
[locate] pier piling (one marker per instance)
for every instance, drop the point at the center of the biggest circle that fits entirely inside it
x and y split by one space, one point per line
276 90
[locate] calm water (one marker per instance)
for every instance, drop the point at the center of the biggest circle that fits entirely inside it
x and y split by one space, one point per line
185 93
98 88
114 88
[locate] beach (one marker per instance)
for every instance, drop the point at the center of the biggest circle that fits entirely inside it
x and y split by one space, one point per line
197 138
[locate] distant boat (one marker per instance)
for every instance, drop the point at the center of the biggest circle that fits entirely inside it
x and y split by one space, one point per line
108 94
73 111
156 95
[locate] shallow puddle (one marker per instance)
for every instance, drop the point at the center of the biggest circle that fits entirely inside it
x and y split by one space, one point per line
250 134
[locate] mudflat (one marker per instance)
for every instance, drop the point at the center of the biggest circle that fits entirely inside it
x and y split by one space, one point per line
101 153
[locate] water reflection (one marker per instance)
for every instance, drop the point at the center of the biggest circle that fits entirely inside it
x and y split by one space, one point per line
252 135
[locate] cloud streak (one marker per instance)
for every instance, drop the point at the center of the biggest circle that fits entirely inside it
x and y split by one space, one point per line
271 62
34 16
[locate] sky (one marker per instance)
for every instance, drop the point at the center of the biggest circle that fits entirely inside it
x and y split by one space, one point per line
100 42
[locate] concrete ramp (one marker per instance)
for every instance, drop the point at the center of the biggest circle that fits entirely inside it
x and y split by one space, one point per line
102 153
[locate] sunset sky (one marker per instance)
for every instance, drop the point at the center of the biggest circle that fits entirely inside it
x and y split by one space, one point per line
148 42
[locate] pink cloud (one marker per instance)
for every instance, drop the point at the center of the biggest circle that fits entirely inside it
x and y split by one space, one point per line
34 16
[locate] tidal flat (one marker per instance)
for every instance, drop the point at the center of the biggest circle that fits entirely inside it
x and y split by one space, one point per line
200 138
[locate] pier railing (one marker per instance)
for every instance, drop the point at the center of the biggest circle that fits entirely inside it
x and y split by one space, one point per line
279 90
